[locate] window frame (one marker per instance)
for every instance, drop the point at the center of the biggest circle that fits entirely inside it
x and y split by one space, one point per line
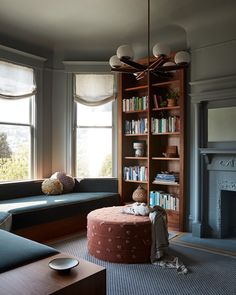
72 68
114 138
32 126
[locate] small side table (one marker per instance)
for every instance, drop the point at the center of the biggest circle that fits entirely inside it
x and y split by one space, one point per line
37 278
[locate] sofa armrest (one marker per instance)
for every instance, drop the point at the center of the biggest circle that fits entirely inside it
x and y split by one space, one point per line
96 185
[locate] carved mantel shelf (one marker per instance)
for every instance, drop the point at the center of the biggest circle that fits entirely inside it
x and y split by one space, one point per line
210 152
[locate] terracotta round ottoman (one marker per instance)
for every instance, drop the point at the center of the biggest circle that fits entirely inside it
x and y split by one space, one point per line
118 237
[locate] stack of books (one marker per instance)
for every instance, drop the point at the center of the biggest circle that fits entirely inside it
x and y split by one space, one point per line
167 177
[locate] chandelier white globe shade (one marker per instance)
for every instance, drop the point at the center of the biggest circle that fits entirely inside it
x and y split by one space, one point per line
125 51
161 49
168 64
182 57
115 62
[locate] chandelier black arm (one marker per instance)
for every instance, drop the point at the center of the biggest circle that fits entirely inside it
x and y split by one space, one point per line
133 64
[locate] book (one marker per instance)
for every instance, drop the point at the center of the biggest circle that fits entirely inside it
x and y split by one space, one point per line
155 100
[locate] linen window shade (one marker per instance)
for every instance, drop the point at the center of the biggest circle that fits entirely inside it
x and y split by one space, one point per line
16 81
94 89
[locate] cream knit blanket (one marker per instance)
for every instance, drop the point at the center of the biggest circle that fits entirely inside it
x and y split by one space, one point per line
159 250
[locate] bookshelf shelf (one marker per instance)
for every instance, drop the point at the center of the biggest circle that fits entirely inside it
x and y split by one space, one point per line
142 87
153 92
165 183
136 158
135 181
166 109
165 159
167 133
137 111
166 83
138 134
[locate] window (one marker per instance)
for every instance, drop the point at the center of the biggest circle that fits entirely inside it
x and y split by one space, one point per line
16 122
94 125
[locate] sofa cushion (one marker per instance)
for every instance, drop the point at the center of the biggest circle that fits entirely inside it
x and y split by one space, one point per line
67 181
34 210
17 251
52 187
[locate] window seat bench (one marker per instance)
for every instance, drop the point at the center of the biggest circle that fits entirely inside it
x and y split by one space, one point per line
41 217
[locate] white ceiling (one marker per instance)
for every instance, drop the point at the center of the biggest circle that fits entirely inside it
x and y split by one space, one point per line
94 28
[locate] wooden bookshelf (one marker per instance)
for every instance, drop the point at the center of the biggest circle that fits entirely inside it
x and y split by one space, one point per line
156 142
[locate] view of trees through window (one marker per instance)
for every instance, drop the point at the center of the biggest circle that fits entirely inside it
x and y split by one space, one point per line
94 141
15 140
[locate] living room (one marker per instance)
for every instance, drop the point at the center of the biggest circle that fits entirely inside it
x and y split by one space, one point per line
62 133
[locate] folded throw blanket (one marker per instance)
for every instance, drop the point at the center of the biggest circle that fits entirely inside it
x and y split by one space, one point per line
160 234
160 243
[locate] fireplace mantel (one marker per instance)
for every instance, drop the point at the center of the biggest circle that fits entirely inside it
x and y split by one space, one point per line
209 152
218 192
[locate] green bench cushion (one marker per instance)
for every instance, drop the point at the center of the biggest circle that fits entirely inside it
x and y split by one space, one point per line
16 251
38 209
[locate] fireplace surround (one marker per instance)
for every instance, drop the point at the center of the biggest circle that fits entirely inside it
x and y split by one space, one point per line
213 180
219 204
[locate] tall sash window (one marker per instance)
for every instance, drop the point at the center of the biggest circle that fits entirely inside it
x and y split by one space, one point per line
17 122
94 97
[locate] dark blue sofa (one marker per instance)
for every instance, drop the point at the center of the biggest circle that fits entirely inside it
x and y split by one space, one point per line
29 207
17 251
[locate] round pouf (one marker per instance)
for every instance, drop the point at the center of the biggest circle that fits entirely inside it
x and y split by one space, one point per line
118 237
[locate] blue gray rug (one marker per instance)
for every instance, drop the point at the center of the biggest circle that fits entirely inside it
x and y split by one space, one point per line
209 273
221 246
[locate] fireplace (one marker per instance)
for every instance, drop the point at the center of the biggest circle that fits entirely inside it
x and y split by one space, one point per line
213 153
219 198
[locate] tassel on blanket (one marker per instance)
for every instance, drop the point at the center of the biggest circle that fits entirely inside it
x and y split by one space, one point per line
168 261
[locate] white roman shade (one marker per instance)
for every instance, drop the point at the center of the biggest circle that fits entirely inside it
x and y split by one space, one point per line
94 89
16 81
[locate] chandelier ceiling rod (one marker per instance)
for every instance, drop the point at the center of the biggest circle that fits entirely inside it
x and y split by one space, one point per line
160 67
148 30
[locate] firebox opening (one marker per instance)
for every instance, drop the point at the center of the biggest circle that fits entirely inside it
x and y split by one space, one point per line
228 214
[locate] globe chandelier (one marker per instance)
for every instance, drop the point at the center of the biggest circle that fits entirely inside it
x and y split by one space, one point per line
161 65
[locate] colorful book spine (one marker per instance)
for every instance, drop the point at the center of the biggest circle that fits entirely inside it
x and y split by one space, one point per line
163 125
135 104
135 173
136 126
164 200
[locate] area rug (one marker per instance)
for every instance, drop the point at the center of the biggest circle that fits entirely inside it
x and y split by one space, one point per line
209 273
220 246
